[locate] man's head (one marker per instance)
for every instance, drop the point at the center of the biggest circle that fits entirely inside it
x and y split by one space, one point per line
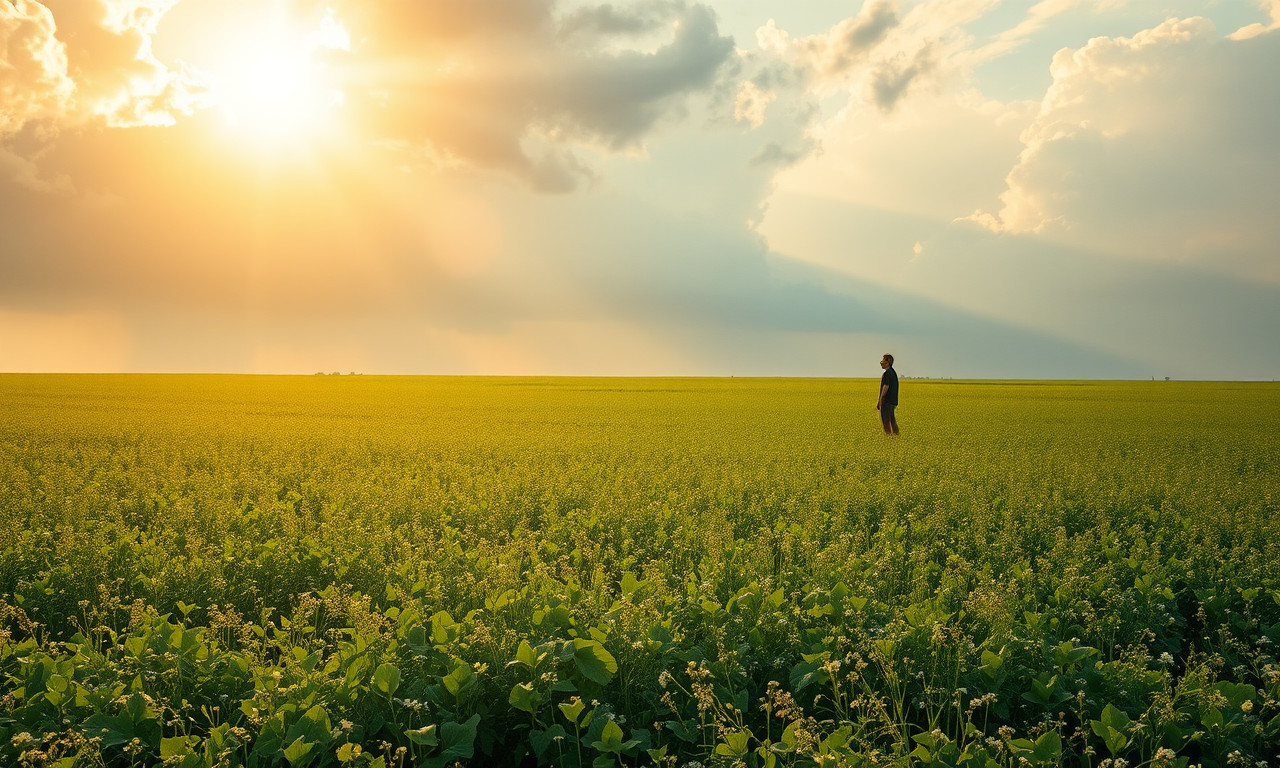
886 361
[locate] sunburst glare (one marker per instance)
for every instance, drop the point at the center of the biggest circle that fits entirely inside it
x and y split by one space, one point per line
275 85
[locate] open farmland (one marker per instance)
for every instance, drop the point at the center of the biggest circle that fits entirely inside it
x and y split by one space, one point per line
220 570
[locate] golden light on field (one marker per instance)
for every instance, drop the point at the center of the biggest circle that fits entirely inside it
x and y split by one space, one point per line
273 84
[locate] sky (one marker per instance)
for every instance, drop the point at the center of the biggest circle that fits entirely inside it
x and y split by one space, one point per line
983 188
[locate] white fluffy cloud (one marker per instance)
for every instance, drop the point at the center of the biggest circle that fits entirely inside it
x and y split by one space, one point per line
69 62
831 55
1130 210
883 52
1158 146
1272 7
33 66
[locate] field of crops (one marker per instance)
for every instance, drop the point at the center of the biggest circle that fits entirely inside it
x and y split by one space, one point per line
350 570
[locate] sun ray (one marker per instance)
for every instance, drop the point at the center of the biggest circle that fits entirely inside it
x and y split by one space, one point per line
276 86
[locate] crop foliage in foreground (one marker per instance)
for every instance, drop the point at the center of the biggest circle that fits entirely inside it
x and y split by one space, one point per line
321 571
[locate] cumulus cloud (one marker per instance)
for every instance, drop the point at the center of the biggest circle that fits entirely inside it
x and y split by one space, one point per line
109 56
1159 145
493 83
834 53
1134 149
519 86
881 54
663 247
617 98
69 62
1272 8
889 80
33 66
750 103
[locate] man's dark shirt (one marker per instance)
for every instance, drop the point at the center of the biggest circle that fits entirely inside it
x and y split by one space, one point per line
890 379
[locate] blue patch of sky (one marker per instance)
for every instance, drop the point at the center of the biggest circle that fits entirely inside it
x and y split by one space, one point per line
741 18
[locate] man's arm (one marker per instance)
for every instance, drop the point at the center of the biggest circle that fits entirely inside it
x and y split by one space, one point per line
884 390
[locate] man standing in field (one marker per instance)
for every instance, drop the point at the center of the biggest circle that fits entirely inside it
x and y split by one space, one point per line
888 400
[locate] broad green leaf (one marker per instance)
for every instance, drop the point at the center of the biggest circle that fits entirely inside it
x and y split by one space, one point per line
564 686
543 740
174 746
734 744
1115 718
572 710
593 661
838 738
806 673
1236 694
457 740
1048 748
387 678
660 634
525 655
631 585
524 698
137 709
610 738
443 627
297 752
460 679
313 727
788 738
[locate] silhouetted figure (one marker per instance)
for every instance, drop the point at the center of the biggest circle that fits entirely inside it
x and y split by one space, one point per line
888 399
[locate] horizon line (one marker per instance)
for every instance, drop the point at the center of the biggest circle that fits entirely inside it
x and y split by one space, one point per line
356 374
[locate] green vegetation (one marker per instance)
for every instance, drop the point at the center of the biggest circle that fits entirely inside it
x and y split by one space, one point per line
319 571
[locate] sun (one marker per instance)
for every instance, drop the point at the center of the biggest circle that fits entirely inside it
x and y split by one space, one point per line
274 85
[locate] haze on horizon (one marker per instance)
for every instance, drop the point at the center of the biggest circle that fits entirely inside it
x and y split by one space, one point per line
1053 189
